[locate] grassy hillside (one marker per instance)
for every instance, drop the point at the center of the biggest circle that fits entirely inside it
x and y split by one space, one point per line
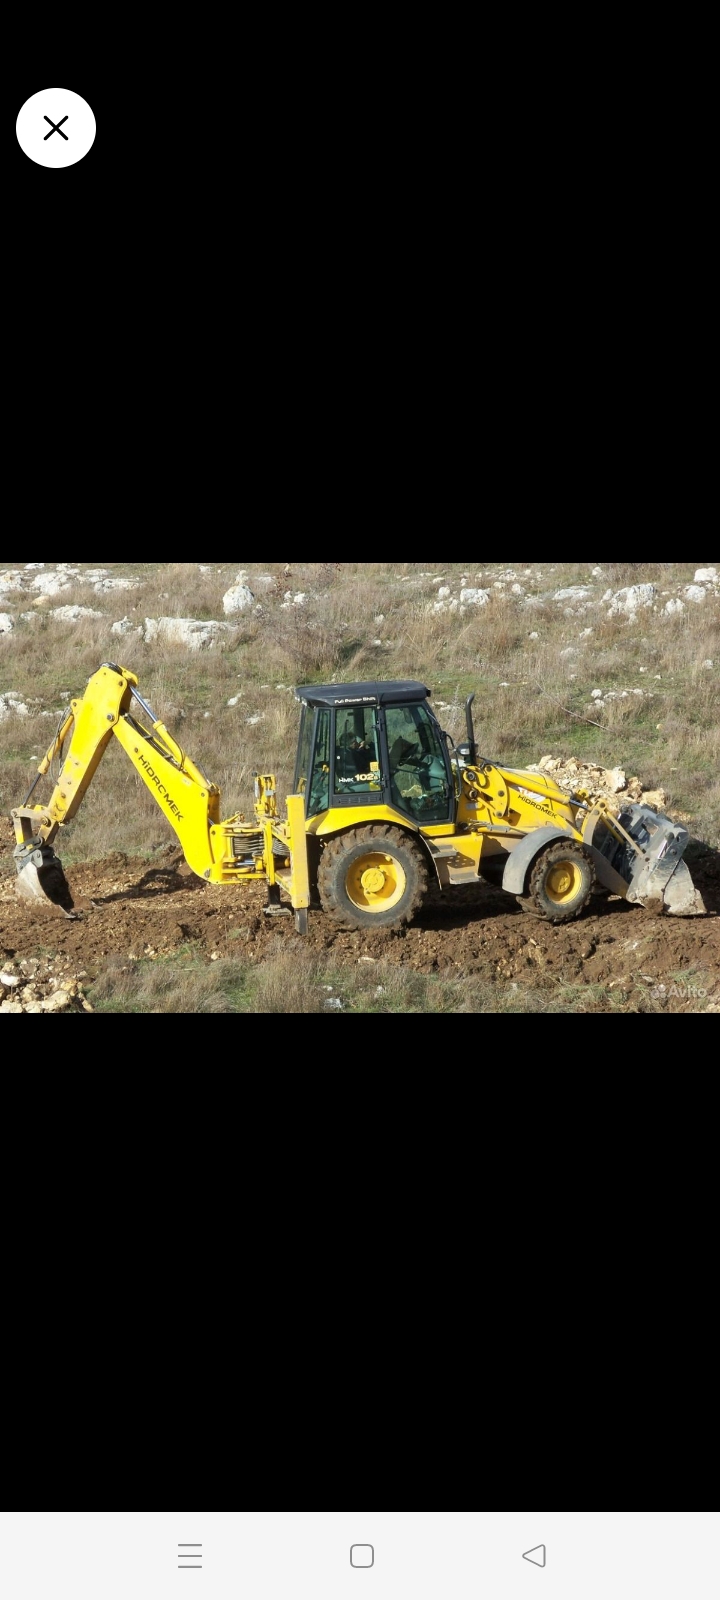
534 661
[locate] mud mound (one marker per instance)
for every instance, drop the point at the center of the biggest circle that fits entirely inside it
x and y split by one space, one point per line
132 911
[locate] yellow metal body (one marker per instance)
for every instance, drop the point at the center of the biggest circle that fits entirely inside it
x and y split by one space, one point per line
232 851
492 796
496 809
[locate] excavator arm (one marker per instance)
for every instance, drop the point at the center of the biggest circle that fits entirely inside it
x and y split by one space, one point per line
220 852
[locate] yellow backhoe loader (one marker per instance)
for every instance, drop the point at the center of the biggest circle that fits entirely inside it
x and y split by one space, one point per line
381 808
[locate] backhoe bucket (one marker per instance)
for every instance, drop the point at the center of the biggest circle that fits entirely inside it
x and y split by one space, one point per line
41 877
654 875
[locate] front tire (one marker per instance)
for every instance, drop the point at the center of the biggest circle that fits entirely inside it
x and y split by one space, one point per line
373 877
561 882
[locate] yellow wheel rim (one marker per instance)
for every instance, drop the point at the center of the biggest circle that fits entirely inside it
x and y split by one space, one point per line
564 882
375 883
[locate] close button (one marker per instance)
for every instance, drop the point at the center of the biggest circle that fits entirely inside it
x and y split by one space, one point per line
69 116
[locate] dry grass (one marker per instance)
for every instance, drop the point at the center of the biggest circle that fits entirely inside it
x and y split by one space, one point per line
301 983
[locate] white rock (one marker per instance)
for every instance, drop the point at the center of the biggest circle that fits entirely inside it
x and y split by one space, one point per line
253 721
108 585
577 591
474 597
10 581
707 663
11 702
299 599
706 575
186 631
597 572
443 592
94 575
234 700
533 636
124 626
238 598
59 1001
696 593
51 583
632 599
12 1007
616 780
73 613
6 622
597 694
672 609
517 588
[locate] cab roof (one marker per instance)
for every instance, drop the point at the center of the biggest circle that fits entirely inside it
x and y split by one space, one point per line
363 694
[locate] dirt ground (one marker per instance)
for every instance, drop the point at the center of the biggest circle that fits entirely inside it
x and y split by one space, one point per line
131 909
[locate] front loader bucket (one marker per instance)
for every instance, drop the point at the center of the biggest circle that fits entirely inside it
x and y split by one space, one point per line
680 897
41 877
653 875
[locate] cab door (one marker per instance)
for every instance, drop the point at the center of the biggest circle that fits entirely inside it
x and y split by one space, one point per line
420 776
357 768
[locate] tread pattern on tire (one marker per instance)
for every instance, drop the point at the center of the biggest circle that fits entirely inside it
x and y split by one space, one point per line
533 901
374 836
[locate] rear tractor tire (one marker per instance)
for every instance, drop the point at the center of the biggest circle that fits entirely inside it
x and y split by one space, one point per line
561 881
372 877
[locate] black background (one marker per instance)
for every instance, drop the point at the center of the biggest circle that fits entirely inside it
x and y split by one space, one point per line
59 207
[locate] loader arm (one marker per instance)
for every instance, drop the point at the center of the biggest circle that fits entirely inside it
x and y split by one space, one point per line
221 852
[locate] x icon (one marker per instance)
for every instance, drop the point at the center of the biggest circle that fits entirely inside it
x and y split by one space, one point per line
55 127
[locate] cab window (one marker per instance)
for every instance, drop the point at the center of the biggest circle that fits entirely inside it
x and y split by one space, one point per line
357 760
418 773
320 785
302 767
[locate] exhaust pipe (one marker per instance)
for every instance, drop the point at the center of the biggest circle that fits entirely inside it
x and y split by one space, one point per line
41 877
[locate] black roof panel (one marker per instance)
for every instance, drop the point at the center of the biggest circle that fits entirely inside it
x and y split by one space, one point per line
359 694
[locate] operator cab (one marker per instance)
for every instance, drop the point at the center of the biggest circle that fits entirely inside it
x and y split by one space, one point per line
373 743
